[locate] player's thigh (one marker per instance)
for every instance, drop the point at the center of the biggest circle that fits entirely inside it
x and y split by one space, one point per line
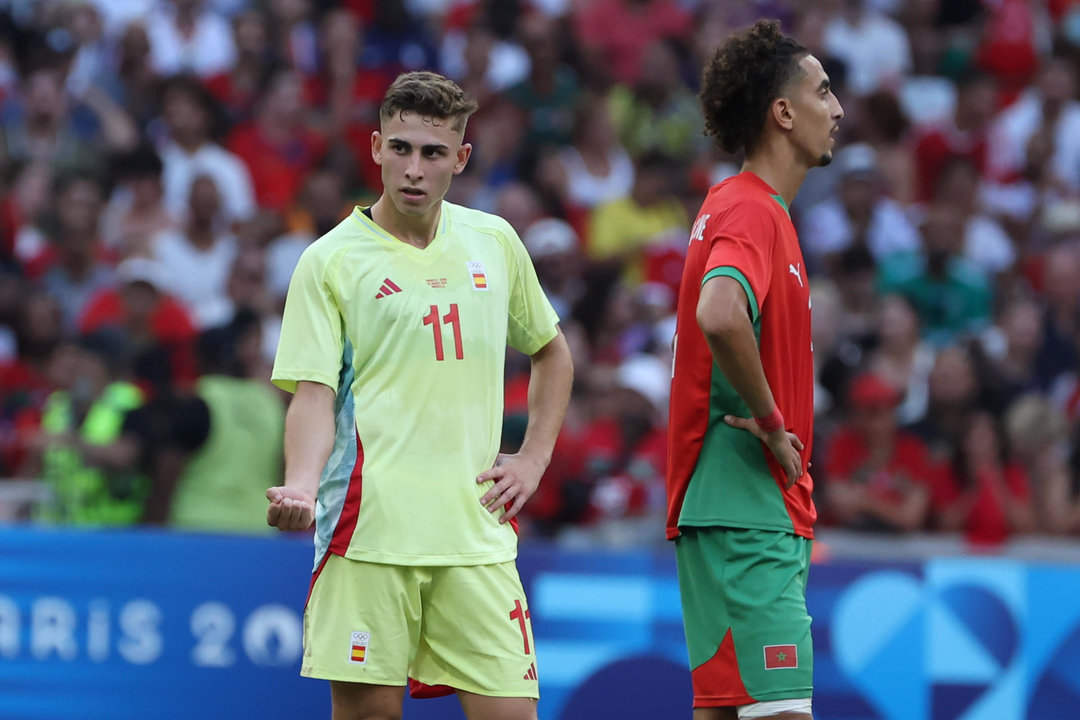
715 713
362 622
703 582
482 707
477 632
356 701
766 600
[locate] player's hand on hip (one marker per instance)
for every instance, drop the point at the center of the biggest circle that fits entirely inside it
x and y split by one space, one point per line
516 479
785 446
290 509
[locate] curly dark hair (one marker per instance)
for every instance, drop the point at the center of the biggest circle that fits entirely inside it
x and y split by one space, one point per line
745 75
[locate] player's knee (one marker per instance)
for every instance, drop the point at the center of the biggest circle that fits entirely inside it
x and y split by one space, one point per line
776 710
356 701
354 713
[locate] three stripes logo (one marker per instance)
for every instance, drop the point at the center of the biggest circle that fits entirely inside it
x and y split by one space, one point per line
530 674
388 288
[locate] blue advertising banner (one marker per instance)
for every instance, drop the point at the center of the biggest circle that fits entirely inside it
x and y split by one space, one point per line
144 624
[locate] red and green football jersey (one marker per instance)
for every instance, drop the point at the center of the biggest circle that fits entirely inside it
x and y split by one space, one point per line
719 475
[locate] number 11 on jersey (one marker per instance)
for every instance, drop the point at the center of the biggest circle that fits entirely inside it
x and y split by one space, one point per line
451 318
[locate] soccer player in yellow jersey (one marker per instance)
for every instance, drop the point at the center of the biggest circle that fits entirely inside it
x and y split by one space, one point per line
393 343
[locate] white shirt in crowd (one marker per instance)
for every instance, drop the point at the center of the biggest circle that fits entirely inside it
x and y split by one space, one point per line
876 52
827 229
199 278
228 172
1012 129
209 50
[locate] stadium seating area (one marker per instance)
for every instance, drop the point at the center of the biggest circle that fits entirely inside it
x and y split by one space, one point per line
165 162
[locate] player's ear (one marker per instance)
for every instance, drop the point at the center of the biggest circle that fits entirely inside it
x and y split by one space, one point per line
463 154
783 113
376 147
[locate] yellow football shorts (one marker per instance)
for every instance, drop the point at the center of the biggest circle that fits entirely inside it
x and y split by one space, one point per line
465 627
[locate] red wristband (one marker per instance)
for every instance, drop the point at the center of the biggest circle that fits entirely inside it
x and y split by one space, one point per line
772 422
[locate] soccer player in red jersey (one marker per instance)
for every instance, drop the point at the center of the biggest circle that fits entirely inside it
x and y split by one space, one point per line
739 494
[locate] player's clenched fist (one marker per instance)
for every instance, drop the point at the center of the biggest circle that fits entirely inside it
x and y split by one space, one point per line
290 509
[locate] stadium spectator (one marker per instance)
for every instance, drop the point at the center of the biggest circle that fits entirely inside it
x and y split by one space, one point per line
616 34
25 383
951 294
902 358
1051 104
73 266
321 205
200 257
984 493
81 420
861 213
877 473
548 95
1008 352
1038 434
208 471
884 127
630 231
962 135
1060 351
985 242
237 86
659 114
159 329
278 146
136 210
595 168
873 47
556 254
187 150
189 36
954 393
43 123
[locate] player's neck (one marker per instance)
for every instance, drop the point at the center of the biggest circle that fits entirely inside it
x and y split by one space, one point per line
417 231
779 169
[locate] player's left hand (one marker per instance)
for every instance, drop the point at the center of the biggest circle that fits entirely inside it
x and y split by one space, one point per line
516 479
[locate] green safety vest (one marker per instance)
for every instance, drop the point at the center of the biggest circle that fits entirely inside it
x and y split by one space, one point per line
223 486
82 494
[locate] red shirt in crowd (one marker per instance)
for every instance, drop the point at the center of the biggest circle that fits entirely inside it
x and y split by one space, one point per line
987 523
909 461
277 171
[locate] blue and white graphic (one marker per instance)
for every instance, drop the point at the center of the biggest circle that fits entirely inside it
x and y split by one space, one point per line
144 624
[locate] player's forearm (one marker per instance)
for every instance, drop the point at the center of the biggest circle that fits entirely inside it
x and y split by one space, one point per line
309 436
549 393
735 350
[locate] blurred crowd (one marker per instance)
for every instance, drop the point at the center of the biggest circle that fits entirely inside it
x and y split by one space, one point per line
165 162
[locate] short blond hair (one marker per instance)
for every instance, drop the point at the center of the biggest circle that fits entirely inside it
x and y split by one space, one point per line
430 95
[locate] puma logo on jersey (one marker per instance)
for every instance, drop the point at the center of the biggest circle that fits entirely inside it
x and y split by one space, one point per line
794 270
388 288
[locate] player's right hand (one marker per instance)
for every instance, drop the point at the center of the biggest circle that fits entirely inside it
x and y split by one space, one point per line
785 446
290 509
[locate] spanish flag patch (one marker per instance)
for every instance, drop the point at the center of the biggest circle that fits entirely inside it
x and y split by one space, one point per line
477 275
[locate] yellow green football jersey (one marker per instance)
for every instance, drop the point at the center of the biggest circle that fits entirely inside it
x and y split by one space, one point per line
414 342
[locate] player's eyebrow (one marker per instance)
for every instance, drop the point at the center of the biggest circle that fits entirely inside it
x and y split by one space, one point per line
824 85
423 148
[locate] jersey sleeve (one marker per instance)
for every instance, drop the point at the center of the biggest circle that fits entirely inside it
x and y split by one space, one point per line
741 248
312 331
533 321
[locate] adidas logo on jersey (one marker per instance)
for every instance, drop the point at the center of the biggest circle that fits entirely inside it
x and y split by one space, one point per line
388 288
530 674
